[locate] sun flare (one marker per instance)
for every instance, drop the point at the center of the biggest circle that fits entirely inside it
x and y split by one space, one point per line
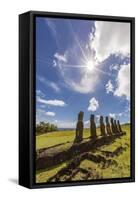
90 65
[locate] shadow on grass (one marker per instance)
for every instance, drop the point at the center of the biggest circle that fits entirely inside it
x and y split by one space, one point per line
47 159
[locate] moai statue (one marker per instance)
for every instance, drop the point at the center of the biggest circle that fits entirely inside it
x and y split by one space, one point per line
116 128
79 127
108 128
119 126
92 127
102 126
112 126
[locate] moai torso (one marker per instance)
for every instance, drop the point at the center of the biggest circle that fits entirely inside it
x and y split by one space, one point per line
108 128
112 126
92 127
119 126
102 126
116 128
79 127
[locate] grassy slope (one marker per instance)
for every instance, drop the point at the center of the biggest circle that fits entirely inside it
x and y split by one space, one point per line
58 137
123 159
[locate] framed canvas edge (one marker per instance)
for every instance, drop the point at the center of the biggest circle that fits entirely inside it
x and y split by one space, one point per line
33 14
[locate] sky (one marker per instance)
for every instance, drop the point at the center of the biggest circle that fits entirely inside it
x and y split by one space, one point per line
82 65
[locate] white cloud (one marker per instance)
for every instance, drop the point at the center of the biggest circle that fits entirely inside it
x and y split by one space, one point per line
54 63
87 83
41 112
120 114
54 102
82 78
123 82
87 122
51 84
54 86
65 124
98 117
112 115
93 104
42 105
41 115
116 115
111 38
92 34
105 38
78 68
40 93
60 57
52 114
109 87
114 67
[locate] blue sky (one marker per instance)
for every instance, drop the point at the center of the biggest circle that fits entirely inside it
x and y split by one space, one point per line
82 65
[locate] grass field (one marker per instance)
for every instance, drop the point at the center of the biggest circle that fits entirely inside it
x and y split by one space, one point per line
58 137
115 158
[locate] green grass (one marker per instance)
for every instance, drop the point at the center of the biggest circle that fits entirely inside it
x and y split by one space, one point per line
123 159
44 175
58 137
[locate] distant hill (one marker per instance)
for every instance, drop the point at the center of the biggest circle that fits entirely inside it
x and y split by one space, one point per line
65 129
126 124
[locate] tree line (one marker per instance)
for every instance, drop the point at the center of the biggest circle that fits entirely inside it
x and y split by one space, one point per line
44 127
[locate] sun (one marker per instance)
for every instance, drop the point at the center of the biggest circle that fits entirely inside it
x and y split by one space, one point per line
90 65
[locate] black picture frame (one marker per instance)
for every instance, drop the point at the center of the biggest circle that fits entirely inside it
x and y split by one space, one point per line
27 97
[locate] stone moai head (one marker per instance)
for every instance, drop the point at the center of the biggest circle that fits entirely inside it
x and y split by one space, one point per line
118 122
107 120
92 118
101 119
80 116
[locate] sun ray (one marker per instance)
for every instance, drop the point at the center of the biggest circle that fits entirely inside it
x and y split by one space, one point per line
78 42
